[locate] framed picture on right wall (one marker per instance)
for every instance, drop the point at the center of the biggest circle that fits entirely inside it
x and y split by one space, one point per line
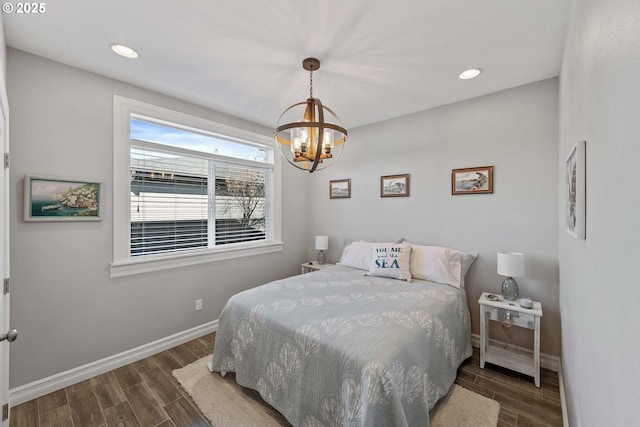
575 191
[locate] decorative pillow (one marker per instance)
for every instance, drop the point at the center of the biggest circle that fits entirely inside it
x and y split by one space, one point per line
357 255
440 265
391 260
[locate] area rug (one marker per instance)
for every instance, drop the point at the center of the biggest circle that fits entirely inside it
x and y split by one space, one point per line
227 404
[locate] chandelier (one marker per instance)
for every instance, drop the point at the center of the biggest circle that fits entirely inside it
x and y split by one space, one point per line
306 139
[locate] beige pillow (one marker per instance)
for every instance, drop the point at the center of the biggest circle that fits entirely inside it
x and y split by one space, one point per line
440 265
357 255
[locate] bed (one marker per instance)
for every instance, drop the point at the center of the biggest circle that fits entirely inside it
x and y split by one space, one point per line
345 347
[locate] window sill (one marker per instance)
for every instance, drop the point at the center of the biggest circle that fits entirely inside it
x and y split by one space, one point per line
150 264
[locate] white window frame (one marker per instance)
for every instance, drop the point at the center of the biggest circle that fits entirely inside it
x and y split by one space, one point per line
123 263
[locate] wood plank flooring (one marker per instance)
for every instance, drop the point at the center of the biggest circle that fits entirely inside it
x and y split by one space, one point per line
521 402
145 394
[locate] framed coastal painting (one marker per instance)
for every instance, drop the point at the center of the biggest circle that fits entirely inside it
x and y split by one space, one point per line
575 191
394 185
61 199
477 180
340 189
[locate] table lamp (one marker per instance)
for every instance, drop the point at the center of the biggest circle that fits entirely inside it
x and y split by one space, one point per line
322 244
510 264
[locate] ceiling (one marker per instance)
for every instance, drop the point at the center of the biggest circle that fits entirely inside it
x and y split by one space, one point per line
379 58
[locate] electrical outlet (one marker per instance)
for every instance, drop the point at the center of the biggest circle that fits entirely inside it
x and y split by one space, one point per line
198 304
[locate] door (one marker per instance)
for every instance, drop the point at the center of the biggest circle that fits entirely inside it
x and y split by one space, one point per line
4 266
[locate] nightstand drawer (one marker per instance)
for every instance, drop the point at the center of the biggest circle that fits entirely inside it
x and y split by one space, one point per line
523 320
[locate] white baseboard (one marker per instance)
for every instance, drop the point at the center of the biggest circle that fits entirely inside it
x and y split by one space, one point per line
59 381
547 361
563 397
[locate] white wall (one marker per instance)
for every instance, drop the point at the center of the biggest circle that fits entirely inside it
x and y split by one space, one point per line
516 131
68 311
600 103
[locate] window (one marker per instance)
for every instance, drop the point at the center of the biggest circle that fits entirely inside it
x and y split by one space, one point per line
196 191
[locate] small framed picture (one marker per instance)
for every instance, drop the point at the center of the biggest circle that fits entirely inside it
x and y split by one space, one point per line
575 191
61 199
340 189
394 186
472 180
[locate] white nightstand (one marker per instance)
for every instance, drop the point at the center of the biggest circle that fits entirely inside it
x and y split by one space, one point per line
528 318
308 268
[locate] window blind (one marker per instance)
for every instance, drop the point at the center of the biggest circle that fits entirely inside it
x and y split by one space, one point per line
181 202
169 202
240 209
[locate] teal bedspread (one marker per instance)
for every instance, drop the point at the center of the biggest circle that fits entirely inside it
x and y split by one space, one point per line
338 348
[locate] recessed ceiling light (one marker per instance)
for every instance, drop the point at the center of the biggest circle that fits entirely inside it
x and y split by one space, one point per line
123 50
470 74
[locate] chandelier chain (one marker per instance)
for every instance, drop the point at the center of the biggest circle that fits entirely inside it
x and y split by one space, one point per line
311 83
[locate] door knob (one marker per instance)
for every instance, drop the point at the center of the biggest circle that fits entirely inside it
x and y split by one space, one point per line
9 336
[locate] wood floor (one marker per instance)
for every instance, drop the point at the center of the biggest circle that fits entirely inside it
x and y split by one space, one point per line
145 394
521 402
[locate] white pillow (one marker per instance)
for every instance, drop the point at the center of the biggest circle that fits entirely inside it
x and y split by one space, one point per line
357 255
391 260
440 265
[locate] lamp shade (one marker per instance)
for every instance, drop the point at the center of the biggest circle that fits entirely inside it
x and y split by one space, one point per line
322 243
511 264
